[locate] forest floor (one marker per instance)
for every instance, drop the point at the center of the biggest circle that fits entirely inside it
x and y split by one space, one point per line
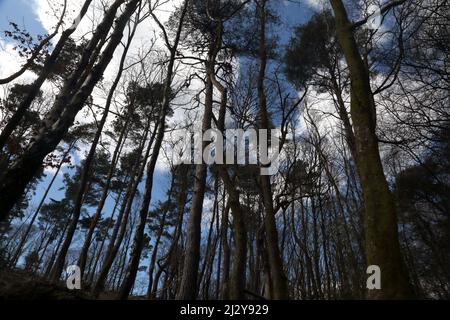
17 284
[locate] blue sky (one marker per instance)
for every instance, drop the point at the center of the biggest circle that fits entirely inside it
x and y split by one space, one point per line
22 13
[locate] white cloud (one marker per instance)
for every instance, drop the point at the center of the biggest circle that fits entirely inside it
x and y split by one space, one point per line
9 60
317 4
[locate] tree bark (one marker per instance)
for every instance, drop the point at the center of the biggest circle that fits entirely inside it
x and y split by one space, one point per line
188 286
225 292
238 278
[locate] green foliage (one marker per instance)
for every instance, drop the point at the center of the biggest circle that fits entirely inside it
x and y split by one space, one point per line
202 23
423 198
66 62
143 104
97 176
56 213
102 227
30 120
312 49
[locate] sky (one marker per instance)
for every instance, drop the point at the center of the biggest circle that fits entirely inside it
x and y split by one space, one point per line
22 13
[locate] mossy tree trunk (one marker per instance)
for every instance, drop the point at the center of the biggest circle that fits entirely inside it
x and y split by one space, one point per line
382 244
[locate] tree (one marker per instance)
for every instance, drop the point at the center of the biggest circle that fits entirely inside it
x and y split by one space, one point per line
280 290
97 216
381 234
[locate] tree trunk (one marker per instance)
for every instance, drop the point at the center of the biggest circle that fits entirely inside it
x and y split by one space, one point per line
225 294
159 235
181 203
382 245
85 176
279 281
36 213
188 286
124 213
238 278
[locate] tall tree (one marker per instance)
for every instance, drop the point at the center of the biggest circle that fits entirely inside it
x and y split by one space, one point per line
380 221
280 290
188 286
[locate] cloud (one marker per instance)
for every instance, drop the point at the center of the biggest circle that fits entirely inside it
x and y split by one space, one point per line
10 63
317 4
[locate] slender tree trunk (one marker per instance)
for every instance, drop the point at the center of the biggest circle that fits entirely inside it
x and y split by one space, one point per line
36 213
159 235
182 200
219 262
99 255
55 252
153 258
122 264
225 294
188 287
209 249
85 176
280 290
124 213
49 240
238 278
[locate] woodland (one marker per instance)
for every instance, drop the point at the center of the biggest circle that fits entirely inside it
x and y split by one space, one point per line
89 170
